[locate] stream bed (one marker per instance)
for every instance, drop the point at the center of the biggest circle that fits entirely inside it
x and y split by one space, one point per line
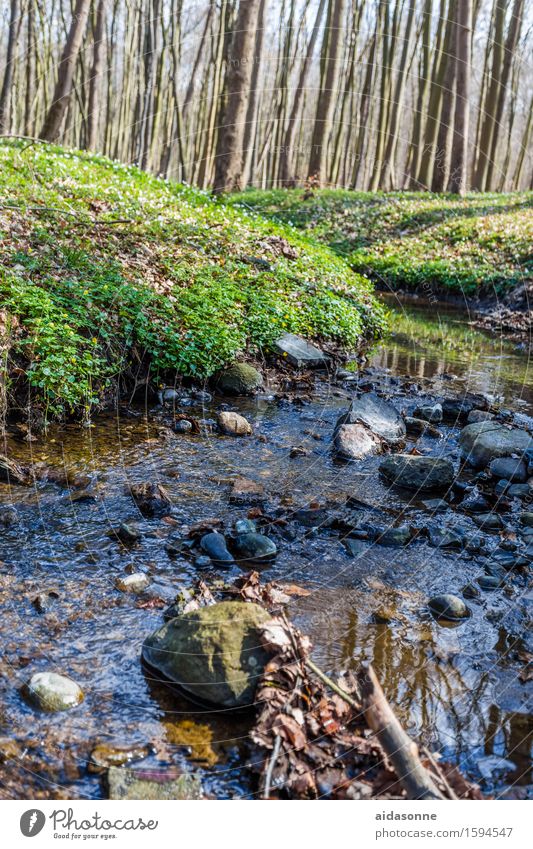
456 689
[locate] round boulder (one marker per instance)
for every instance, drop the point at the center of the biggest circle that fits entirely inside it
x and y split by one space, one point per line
52 692
213 654
239 379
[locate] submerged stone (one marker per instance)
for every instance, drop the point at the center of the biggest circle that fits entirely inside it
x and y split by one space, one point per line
52 692
152 785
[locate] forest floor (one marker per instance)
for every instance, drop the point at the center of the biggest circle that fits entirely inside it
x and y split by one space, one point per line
476 249
105 269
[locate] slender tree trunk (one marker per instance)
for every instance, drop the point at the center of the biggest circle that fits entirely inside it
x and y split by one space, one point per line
95 82
5 93
229 156
329 77
442 148
61 97
459 158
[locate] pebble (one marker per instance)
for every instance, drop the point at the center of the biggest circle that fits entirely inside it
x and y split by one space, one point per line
52 692
135 583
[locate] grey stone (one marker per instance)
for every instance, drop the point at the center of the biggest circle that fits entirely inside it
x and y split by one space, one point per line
301 353
445 538
378 415
489 583
421 473
509 468
394 536
355 442
254 547
420 427
527 519
520 490
354 547
489 521
484 441
429 412
215 547
214 654
52 692
479 416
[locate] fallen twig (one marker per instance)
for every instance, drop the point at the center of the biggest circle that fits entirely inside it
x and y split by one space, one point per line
401 751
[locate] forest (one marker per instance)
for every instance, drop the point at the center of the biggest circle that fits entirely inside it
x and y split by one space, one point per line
266 404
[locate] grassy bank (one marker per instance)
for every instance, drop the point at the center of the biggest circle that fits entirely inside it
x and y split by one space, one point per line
104 268
478 245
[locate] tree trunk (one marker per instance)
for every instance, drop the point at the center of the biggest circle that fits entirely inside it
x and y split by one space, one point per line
229 156
63 89
463 46
5 94
330 64
95 82
442 151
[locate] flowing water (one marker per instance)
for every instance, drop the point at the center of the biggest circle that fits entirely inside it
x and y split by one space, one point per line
456 689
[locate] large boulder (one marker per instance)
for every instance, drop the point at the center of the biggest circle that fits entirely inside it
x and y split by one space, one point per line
239 379
214 654
354 442
378 415
482 442
421 473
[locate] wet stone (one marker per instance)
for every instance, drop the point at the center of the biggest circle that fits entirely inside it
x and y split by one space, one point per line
509 468
136 583
214 545
232 424
489 582
520 491
355 442
419 427
445 538
128 533
526 519
429 412
421 473
489 521
355 547
52 692
378 416
129 784
449 607
105 755
254 547
394 536
484 441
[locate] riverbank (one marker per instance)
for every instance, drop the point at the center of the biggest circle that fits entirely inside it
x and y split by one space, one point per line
474 251
459 689
110 274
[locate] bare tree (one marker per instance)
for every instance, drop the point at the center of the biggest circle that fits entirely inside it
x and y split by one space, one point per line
5 93
463 42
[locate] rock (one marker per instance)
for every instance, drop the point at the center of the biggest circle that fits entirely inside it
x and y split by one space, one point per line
239 379
168 396
254 547
449 607
429 412
152 785
232 424
246 491
354 442
419 427
484 441
378 415
394 536
152 499
45 600
509 468
479 416
312 518
8 516
301 353
475 503
136 583
214 545
245 526
527 519
52 692
489 583
183 426
106 755
214 654
520 490
436 505
445 538
354 547
12 473
421 473
127 533
488 521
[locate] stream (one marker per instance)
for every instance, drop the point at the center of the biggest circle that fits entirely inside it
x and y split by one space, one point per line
456 689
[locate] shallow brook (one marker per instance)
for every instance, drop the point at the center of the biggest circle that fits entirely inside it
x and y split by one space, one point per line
455 688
